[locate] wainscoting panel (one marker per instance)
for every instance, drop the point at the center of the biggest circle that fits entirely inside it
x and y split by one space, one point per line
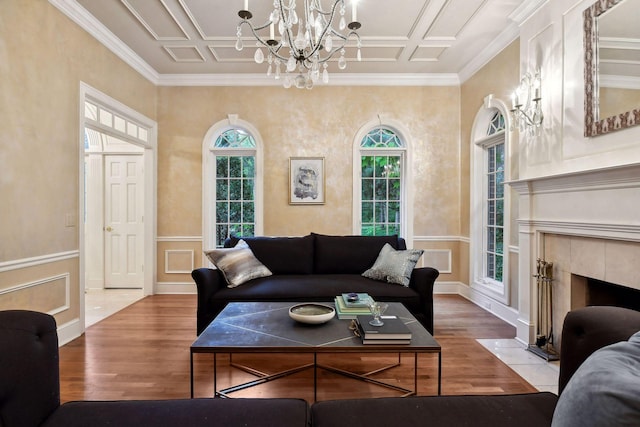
178 261
439 259
50 295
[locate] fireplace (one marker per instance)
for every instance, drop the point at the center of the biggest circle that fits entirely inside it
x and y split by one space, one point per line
587 291
586 223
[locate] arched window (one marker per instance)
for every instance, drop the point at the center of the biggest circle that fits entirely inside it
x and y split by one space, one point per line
233 184
490 202
380 180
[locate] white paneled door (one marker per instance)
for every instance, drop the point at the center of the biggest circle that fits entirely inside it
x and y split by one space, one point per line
124 218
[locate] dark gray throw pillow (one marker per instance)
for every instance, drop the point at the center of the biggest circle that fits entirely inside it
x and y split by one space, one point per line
605 390
394 266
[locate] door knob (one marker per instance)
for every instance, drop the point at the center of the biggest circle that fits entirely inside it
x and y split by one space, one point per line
108 229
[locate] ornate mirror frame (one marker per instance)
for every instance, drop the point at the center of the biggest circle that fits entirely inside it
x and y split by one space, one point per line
593 124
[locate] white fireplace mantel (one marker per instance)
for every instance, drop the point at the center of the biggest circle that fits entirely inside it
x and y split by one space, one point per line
599 203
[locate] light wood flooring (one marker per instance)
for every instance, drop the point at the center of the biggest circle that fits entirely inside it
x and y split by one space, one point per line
142 352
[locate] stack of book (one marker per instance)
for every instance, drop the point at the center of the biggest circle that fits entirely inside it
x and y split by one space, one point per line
394 331
346 309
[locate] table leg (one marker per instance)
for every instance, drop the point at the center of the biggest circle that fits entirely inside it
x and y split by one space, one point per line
215 374
191 357
415 373
439 373
315 377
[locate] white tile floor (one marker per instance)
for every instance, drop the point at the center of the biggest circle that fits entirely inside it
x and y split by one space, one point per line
102 303
536 371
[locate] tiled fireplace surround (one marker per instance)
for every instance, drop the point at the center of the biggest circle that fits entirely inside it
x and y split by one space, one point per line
587 224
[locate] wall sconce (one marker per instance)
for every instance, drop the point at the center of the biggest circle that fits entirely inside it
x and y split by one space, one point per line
526 110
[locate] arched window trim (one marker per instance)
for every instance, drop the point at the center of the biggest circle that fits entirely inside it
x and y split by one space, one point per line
209 151
480 142
407 175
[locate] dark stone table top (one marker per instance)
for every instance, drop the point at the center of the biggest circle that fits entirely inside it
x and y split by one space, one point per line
266 327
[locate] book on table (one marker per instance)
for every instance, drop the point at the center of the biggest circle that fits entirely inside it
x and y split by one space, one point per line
393 330
345 312
362 300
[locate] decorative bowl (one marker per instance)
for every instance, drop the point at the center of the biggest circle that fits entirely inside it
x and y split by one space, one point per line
312 313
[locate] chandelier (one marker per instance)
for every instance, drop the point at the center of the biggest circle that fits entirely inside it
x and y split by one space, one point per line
307 38
526 110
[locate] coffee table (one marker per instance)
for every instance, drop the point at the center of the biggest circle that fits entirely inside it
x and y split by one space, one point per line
265 327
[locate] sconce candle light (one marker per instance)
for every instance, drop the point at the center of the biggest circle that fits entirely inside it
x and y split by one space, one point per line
526 110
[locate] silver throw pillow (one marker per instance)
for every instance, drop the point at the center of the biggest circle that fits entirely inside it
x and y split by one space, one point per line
394 266
238 264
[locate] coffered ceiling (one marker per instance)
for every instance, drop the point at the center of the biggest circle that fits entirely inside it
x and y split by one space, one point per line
183 42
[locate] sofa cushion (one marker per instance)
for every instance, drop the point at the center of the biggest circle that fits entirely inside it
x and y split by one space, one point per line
394 266
182 412
319 288
605 389
348 254
520 410
281 255
238 264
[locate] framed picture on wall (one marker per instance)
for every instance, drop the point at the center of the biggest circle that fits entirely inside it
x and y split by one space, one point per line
306 180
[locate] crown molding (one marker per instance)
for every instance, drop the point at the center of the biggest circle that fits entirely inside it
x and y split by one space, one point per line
504 39
79 15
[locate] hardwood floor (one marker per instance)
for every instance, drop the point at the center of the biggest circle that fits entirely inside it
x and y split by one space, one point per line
142 352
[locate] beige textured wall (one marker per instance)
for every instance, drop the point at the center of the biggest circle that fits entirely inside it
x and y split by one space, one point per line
498 77
322 122
43 58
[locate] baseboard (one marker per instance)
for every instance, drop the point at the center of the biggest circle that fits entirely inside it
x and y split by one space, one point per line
69 331
497 308
175 288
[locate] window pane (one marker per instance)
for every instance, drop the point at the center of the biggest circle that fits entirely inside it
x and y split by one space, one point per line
491 236
247 189
393 229
235 189
235 167
222 232
222 213
235 229
499 241
367 230
248 212
248 230
498 268
222 189
367 189
381 212
500 212
367 166
222 168
394 213
491 266
367 212
491 212
492 186
235 212
394 189
248 167
381 189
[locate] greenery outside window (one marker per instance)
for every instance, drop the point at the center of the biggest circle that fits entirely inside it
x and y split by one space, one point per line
381 175
235 181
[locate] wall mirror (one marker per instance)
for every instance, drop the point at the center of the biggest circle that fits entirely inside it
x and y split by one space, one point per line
612 66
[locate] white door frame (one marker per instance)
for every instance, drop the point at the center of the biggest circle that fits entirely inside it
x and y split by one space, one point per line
150 184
